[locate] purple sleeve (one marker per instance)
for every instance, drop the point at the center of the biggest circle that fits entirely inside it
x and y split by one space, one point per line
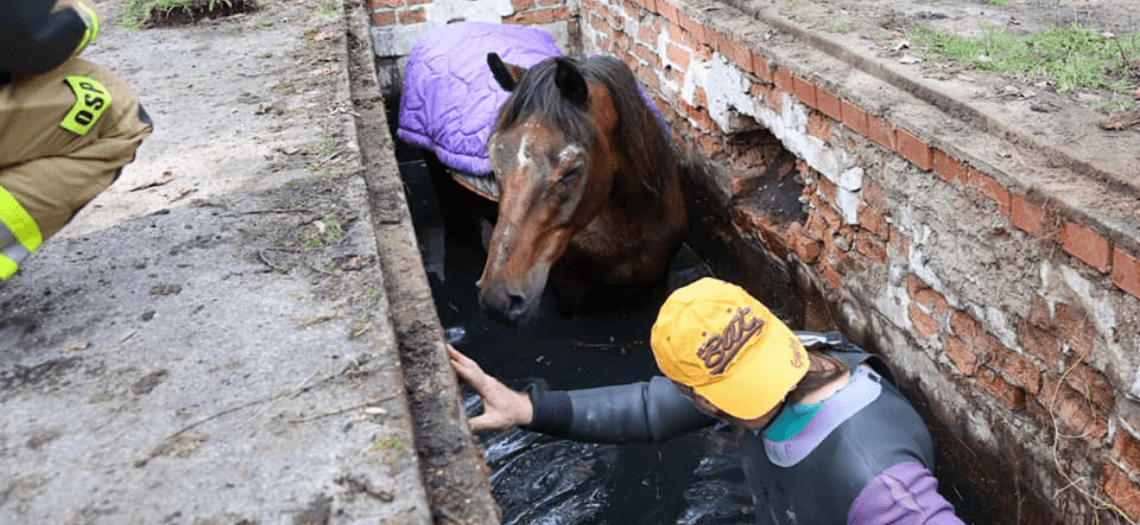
906 494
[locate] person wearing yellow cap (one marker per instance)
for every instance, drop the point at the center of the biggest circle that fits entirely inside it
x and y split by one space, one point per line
827 437
67 126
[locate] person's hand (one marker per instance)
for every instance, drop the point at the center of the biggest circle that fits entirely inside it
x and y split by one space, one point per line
502 407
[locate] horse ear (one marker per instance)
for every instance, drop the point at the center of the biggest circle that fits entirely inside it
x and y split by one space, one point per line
507 75
570 81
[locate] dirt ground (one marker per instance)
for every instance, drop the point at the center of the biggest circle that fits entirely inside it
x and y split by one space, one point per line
1067 129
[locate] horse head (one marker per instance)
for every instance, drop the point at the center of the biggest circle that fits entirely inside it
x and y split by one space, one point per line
564 146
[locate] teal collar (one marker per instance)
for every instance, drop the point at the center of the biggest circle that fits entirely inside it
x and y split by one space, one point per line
791 420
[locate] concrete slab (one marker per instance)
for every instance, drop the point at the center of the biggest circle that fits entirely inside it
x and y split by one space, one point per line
214 339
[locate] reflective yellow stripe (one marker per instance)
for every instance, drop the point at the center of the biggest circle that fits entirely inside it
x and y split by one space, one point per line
19 234
7 268
91 20
91 100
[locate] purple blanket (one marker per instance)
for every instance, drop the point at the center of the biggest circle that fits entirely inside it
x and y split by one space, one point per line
450 100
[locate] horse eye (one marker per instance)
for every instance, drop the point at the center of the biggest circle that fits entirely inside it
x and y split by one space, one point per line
571 174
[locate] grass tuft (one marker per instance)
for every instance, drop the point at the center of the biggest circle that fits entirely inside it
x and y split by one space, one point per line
137 14
1068 57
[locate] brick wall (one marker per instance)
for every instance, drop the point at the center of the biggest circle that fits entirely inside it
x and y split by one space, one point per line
1007 305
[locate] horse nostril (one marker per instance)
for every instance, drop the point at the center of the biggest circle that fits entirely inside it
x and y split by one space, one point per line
516 307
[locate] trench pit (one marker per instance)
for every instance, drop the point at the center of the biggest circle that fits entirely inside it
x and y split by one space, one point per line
694 479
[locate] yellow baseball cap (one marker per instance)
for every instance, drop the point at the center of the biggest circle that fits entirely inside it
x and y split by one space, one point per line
716 338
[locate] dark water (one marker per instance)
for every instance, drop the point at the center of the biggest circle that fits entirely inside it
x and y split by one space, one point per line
537 479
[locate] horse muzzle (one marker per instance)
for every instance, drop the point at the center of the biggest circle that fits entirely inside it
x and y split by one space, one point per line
507 303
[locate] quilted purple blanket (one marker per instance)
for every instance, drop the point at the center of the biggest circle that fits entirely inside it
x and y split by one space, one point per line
450 100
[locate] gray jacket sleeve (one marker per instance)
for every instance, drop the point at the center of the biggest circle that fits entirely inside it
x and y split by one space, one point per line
646 411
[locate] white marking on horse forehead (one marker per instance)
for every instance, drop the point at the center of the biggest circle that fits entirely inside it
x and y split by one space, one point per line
570 151
524 154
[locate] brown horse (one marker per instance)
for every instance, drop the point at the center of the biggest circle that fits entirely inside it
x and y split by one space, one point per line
590 189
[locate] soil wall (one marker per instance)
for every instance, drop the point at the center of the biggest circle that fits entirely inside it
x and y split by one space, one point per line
993 259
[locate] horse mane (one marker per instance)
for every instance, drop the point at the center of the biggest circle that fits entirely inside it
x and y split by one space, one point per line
651 154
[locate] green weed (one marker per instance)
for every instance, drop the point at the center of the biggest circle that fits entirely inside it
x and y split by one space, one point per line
1068 57
136 13
845 27
391 447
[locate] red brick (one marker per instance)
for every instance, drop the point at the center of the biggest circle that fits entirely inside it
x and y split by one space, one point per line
808 249
1027 217
815 228
1092 384
873 222
1126 272
855 118
1009 396
700 98
967 328
1019 370
761 69
832 276
539 16
1087 245
949 168
1123 492
737 53
1041 343
931 302
827 189
1037 409
417 2
647 34
992 189
676 34
805 91
522 5
782 77
881 131
914 149
677 55
961 355
1074 412
701 118
926 326
1040 313
874 196
669 11
649 5
1127 449
413 16
900 243
692 26
383 18
381 4
819 126
828 103
647 56
871 246
772 97
1073 326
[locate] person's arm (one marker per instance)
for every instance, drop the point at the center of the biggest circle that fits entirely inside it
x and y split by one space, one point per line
38 35
904 494
646 411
